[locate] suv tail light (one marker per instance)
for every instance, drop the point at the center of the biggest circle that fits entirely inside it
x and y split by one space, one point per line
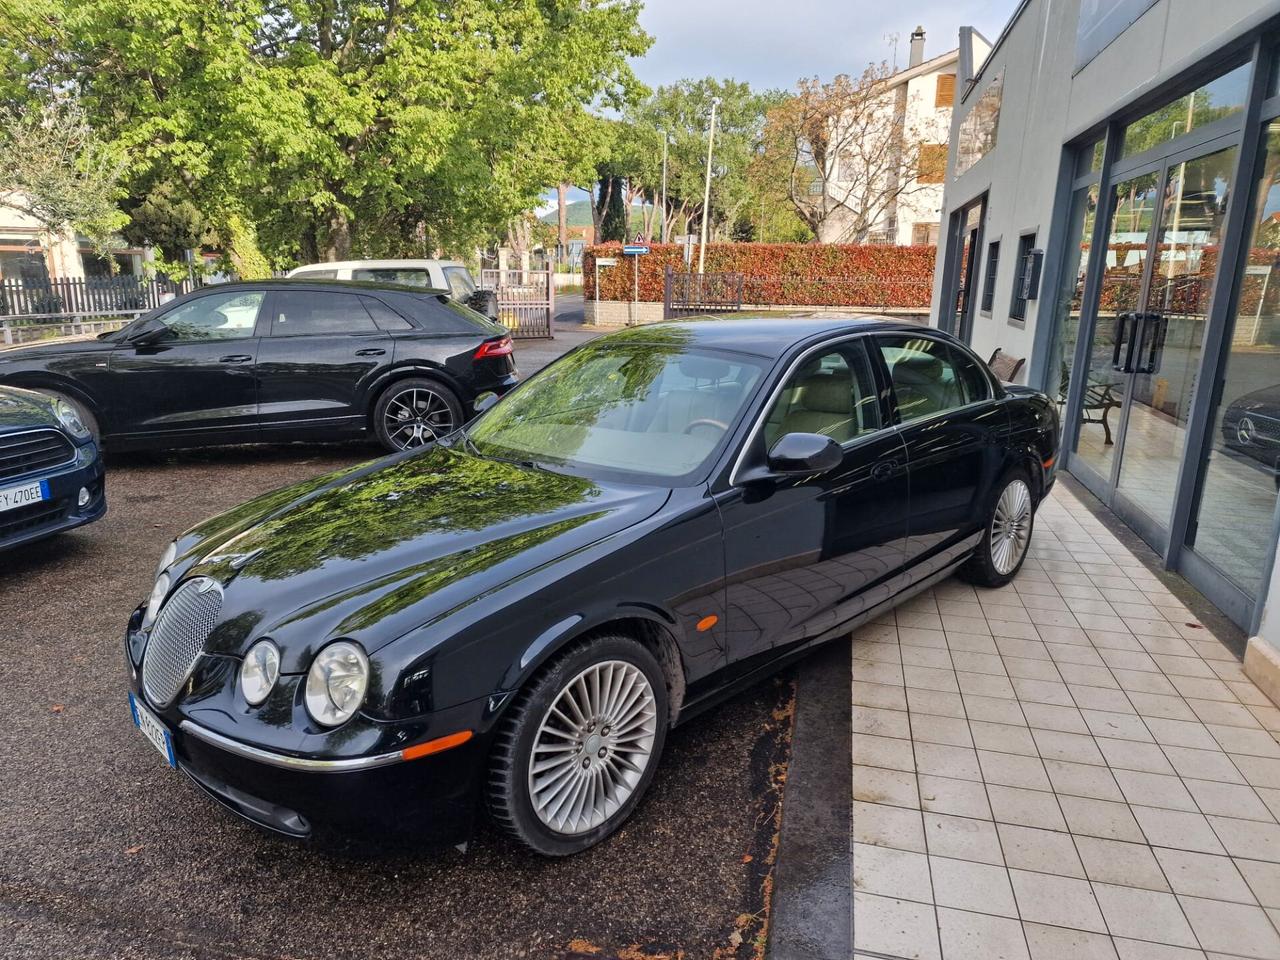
494 348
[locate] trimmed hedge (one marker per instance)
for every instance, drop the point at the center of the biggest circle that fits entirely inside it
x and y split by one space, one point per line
780 273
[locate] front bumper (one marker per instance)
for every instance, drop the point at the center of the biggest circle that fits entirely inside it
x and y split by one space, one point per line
374 796
61 511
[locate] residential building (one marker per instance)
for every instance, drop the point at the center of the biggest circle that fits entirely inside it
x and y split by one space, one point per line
1112 187
917 108
29 253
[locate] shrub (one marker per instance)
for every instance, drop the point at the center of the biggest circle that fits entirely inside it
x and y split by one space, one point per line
780 273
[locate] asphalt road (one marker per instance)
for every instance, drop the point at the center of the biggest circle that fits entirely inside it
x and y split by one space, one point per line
104 852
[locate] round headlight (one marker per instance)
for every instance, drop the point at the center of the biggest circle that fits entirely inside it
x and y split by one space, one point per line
69 417
259 672
170 554
336 683
158 593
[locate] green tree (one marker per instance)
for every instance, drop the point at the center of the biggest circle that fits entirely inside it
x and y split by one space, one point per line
318 129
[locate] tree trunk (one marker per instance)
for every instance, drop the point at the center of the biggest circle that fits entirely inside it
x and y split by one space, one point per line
562 224
337 243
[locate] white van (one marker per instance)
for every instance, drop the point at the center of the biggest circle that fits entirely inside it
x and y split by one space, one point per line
448 275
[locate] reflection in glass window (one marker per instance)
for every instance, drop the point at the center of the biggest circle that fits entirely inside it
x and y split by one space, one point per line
1066 314
631 409
217 317
1217 99
978 128
1234 527
924 376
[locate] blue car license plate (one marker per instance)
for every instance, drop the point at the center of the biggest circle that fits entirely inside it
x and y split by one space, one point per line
153 730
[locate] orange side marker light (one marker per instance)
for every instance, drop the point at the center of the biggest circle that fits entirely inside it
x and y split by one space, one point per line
436 746
1050 462
706 623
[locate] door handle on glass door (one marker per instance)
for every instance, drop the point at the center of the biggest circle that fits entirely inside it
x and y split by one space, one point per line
1124 336
1149 355
236 358
371 352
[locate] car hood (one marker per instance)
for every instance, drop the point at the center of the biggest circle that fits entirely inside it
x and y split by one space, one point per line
1266 400
376 551
24 409
58 346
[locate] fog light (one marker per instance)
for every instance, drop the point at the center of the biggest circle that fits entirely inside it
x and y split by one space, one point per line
83 499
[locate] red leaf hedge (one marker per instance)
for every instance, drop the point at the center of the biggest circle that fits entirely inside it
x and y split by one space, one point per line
780 273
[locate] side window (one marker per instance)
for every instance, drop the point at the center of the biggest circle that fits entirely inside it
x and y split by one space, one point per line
316 275
301 312
384 316
832 393
227 316
924 376
973 381
460 283
411 276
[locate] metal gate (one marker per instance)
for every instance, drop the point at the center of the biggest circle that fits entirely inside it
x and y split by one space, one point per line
692 294
526 300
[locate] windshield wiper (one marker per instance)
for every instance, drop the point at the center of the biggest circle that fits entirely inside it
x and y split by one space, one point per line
471 444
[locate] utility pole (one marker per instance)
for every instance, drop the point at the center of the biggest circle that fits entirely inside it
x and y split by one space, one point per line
706 192
662 231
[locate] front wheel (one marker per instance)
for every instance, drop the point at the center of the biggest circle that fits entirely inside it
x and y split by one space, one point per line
1010 522
579 747
415 412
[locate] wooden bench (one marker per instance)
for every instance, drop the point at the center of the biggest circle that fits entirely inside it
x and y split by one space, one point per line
1004 366
1099 399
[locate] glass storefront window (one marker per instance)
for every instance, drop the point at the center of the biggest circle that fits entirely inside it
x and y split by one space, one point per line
1234 527
1216 99
1066 317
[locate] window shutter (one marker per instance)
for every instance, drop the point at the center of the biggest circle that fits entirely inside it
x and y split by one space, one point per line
946 93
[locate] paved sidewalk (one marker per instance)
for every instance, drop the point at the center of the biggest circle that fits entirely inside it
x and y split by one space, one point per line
1067 768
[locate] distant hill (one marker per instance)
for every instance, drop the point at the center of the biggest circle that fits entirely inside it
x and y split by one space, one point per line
578 214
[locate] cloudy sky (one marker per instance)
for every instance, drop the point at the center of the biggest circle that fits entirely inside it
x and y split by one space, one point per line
772 44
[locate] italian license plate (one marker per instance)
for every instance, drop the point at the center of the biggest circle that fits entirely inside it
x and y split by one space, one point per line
11 498
153 730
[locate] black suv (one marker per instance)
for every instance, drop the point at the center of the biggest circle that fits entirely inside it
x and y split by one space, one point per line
276 361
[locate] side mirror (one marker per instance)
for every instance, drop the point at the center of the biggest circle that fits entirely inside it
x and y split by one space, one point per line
484 401
798 454
149 331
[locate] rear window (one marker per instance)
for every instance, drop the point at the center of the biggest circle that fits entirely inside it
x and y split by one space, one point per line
460 283
441 314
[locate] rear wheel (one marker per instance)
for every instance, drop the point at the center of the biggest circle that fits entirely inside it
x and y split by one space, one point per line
579 747
86 416
1010 523
416 412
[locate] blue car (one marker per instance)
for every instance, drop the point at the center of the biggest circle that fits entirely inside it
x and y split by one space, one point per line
51 473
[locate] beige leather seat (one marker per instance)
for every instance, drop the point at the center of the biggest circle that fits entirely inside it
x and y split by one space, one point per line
822 403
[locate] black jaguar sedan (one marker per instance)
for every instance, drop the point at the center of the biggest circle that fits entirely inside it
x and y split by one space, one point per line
50 469
277 361
514 617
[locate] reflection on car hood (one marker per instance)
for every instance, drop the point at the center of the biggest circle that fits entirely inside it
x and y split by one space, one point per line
56 345
23 409
380 549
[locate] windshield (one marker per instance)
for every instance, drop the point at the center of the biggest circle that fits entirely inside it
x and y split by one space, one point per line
637 410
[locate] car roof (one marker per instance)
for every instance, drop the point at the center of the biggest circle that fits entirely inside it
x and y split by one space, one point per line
377 264
768 335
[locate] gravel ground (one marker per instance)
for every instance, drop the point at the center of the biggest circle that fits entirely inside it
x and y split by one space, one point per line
106 853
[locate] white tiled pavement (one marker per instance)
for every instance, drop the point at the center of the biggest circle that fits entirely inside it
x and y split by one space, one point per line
1067 768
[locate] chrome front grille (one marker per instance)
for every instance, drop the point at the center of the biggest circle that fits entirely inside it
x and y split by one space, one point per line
32 451
178 638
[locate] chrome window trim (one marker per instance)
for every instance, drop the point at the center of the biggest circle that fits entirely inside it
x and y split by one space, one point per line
284 761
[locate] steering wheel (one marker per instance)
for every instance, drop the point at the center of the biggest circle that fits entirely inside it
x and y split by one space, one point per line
707 422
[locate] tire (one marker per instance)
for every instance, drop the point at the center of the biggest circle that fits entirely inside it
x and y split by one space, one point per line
86 415
575 809
415 412
1006 537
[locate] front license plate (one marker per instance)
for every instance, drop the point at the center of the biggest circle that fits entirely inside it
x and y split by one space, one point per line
153 730
11 498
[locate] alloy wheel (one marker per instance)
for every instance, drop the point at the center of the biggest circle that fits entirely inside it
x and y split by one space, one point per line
1011 527
417 416
592 747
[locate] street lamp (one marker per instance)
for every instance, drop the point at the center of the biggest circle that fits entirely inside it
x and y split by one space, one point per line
662 230
706 191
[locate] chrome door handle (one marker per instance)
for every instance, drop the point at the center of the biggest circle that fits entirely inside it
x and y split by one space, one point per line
236 358
371 352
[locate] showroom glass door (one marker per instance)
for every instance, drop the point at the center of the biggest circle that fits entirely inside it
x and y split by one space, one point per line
1233 519
1157 285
